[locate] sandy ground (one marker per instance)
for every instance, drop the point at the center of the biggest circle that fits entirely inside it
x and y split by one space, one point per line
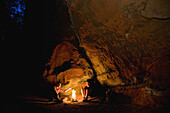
33 104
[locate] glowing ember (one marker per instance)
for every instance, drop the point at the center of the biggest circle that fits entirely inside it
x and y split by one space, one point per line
73 95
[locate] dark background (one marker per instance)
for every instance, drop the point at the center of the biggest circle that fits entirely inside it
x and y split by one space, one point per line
24 52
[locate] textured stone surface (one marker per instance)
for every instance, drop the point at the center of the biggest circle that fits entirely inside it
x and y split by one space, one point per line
65 64
157 8
119 41
124 42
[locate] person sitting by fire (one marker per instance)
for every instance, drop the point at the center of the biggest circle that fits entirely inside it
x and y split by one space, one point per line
85 92
57 89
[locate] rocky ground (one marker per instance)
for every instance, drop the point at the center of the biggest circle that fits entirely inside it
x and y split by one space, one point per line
35 104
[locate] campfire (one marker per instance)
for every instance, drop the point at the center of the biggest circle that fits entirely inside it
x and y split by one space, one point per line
74 96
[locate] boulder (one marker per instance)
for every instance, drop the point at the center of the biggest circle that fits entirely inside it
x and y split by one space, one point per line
119 43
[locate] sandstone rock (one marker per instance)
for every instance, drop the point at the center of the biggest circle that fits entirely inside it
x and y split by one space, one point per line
119 42
124 46
117 38
69 74
158 9
65 63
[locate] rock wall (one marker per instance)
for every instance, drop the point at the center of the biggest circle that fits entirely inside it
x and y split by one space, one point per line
121 39
120 42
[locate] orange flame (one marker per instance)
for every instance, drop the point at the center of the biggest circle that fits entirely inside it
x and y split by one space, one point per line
73 95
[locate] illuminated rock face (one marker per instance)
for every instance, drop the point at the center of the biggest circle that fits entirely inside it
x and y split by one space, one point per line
122 40
125 42
65 64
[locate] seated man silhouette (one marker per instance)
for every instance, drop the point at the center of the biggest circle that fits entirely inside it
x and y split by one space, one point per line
57 89
85 92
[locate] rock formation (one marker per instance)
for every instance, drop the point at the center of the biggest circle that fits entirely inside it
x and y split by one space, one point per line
123 44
